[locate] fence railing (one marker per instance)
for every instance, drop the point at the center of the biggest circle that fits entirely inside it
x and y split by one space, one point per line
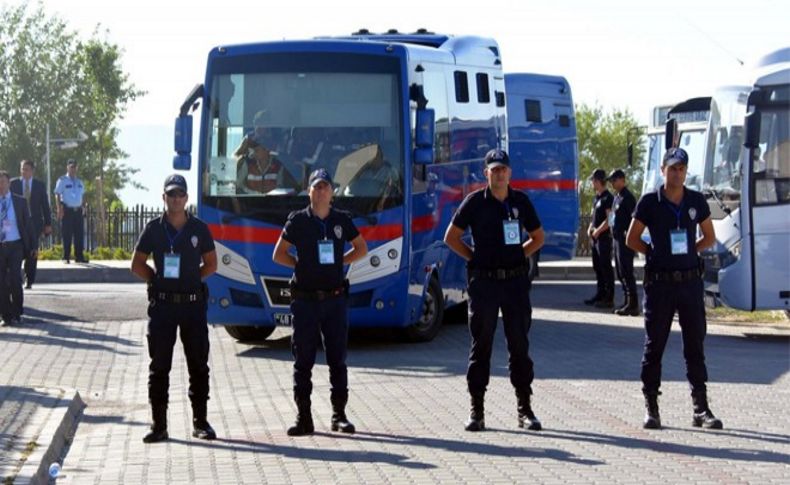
122 228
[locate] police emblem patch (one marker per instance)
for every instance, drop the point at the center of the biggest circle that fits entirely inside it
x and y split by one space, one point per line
692 213
338 232
194 241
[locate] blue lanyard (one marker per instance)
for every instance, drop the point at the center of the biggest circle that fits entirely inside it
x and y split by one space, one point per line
507 208
172 239
322 223
676 212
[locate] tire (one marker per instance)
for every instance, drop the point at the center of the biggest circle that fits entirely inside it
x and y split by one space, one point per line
248 333
430 320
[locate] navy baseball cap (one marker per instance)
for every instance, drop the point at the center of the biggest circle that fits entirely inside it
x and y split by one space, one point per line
71 161
175 181
674 156
598 174
497 158
616 174
320 175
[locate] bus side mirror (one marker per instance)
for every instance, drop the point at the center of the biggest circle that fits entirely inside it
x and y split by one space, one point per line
630 154
671 133
752 125
183 143
423 136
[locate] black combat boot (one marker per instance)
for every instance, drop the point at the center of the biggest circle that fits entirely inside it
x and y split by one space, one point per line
631 307
606 300
526 418
304 418
339 420
159 427
703 417
597 296
476 421
200 427
652 418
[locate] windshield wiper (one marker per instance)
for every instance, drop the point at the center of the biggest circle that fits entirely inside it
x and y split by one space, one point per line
710 191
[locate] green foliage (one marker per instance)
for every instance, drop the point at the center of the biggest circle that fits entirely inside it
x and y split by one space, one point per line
55 253
53 78
603 138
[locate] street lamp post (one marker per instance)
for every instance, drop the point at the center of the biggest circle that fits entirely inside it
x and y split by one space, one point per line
62 143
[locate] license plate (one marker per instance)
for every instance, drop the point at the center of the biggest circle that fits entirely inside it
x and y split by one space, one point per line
283 319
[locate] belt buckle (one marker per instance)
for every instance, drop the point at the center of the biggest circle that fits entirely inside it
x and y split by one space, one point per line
192 297
501 274
677 276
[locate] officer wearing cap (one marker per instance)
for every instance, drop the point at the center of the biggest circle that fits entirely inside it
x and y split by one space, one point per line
184 255
69 191
319 292
601 242
498 279
619 221
673 282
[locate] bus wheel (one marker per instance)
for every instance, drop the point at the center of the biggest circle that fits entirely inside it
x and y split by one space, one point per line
427 326
248 333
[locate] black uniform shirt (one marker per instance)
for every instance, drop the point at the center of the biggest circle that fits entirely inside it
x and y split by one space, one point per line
601 203
304 230
661 217
485 215
191 244
623 208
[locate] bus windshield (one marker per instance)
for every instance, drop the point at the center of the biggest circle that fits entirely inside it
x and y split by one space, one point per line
725 140
771 159
271 127
694 144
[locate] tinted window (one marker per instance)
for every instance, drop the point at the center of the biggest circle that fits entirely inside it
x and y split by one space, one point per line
461 87
483 95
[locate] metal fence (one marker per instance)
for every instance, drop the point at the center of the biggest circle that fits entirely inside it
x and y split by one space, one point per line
122 227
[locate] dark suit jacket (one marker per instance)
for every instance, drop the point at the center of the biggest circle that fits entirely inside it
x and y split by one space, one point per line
39 203
23 223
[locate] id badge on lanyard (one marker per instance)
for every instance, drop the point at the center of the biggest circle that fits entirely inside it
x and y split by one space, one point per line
511 229
326 252
679 241
172 265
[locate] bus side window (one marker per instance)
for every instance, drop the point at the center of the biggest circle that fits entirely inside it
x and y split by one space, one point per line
461 87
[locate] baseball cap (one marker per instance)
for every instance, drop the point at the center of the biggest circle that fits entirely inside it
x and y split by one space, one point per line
598 174
497 158
175 181
616 174
673 156
71 161
320 175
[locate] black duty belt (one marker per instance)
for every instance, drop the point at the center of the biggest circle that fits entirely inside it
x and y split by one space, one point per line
317 295
678 276
499 274
170 297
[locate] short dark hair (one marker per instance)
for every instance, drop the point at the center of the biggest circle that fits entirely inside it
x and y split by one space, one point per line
4 173
29 163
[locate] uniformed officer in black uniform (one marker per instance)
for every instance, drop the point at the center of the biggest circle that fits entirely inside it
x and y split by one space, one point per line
673 282
184 256
498 279
619 222
319 294
601 242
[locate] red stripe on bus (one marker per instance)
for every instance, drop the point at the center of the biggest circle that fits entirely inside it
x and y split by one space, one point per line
541 184
220 232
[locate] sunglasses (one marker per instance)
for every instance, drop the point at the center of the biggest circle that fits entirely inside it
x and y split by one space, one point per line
176 194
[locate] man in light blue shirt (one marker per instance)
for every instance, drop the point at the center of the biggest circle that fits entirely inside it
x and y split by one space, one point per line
69 192
16 241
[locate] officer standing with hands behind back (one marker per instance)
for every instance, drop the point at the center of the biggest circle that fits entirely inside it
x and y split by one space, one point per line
319 292
498 278
184 256
70 191
601 242
673 283
619 222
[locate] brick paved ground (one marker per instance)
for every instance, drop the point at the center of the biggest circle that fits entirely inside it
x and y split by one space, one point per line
408 402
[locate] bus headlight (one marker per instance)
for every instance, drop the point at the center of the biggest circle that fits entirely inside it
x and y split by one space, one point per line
392 253
375 261
226 259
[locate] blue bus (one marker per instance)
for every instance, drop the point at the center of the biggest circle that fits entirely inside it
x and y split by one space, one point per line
402 122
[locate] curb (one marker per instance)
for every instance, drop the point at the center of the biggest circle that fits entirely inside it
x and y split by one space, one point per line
85 273
57 431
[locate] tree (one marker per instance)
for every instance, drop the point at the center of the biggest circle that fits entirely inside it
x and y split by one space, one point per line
52 78
603 139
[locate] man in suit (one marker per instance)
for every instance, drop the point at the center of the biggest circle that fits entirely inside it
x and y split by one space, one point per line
16 242
35 193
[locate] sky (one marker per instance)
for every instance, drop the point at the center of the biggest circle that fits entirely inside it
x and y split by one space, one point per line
619 54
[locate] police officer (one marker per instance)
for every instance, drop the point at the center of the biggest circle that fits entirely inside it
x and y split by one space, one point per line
619 221
69 191
498 279
673 282
184 256
319 291
601 242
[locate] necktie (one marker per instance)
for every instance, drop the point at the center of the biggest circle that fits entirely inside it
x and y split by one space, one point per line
26 189
3 217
